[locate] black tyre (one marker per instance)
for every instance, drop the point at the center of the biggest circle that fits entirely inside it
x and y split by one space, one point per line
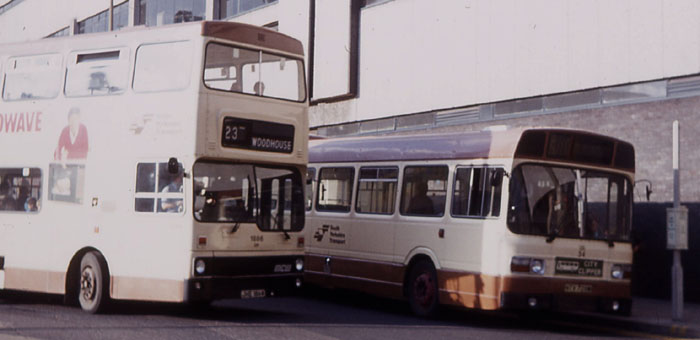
93 291
423 289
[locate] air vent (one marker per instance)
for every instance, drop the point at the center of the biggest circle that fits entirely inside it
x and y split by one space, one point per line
458 117
683 87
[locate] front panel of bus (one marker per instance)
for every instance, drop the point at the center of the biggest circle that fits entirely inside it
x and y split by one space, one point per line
247 199
569 222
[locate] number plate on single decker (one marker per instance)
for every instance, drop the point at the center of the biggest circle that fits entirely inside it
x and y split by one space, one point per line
252 293
578 267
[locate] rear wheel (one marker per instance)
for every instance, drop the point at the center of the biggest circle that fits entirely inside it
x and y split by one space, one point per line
93 294
423 289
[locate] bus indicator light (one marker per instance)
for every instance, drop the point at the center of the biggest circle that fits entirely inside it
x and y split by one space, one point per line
202 241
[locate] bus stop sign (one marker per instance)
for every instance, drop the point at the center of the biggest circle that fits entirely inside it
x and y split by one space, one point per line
677 228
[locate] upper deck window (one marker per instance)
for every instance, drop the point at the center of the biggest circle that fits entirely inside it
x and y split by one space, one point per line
33 77
163 67
253 72
97 73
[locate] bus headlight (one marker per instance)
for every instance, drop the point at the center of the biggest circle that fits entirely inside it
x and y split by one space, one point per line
300 264
519 264
200 267
621 271
537 266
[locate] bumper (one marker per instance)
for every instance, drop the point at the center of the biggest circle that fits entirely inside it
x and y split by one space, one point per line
565 303
244 277
207 289
566 295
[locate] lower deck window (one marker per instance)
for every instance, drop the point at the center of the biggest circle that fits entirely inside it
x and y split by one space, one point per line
157 189
20 189
335 189
424 190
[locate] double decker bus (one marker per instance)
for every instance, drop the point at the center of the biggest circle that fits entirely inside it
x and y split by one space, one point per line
154 164
498 219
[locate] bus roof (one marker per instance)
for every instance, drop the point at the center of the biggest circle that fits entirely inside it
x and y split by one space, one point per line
465 145
253 35
535 143
233 31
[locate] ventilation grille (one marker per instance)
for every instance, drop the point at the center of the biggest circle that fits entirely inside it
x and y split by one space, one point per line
683 87
459 117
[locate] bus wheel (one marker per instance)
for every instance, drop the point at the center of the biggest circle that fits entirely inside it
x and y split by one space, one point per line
423 289
93 293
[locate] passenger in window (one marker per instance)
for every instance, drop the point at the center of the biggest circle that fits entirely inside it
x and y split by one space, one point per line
23 195
31 205
259 88
420 203
172 204
7 202
73 141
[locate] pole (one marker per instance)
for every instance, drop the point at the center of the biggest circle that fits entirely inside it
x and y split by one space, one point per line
677 269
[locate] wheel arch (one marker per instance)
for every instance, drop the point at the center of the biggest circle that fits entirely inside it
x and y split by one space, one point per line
72 272
415 256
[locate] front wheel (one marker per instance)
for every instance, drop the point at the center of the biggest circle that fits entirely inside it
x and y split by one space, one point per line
423 289
93 293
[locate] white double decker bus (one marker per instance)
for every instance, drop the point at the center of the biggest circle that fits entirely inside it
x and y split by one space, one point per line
156 164
522 218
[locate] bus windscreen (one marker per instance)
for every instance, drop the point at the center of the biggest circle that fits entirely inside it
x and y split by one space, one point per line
569 202
246 193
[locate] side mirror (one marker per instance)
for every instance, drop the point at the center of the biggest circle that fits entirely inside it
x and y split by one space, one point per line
648 192
173 166
647 189
497 177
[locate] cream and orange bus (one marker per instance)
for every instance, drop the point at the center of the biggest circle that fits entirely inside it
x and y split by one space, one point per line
156 164
497 219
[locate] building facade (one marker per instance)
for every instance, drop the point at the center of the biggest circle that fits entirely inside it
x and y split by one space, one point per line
623 68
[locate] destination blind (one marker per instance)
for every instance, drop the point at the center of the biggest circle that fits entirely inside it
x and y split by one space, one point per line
257 135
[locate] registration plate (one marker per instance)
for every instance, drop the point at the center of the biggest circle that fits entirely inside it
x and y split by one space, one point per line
578 267
252 293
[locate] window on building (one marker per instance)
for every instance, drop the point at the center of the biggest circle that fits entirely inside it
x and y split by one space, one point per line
33 77
157 189
8 5
230 8
310 184
164 12
163 67
20 189
97 73
63 32
477 192
120 16
376 190
335 189
96 23
424 190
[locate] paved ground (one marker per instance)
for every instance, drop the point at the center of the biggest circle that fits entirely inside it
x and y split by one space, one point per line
324 315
